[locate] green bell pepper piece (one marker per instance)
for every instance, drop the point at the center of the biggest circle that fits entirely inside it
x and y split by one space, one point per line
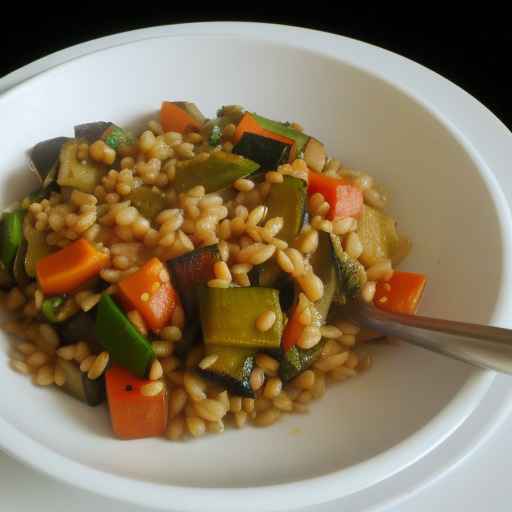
11 236
148 201
228 316
218 172
126 346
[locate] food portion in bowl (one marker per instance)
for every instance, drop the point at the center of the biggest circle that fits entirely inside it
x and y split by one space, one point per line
196 273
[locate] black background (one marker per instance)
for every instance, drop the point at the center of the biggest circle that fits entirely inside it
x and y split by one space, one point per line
471 47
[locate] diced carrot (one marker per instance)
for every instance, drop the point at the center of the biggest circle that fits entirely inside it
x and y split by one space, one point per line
345 199
176 119
132 414
149 291
401 294
249 125
293 330
67 269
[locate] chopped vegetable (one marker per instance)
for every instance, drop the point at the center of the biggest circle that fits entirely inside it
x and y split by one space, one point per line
314 155
115 136
148 200
174 118
349 272
232 368
269 153
296 360
218 172
215 136
11 237
51 306
121 339
249 124
68 268
286 200
228 316
190 270
133 414
192 109
37 249
377 232
149 292
83 175
401 294
346 200
79 327
91 132
6 280
44 157
18 267
78 385
283 129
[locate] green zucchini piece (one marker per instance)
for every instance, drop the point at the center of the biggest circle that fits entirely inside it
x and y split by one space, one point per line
191 109
51 306
228 316
78 385
115 136
232 368
37 248
11 237
296 360
324 262
38 195
84 175
219 171
126 346
287 200
18 268
148 200
91 132
190 270
269 153
350 273
284 129
377 232
44 157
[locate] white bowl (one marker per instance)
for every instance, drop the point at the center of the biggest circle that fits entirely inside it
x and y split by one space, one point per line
442 193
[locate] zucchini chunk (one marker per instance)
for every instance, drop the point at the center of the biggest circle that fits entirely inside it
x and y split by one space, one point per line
216 173
37 248
296 360
232 368
83 175
44 157
228 316
269 153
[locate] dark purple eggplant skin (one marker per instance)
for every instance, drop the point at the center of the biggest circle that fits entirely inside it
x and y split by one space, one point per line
45 154
94 390
91 131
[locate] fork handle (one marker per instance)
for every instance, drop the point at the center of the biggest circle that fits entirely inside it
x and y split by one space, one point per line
480 345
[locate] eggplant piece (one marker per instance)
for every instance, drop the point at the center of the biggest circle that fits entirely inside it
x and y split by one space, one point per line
83 175
269 153
148 201
314 155
91 132
6 280
190 270
232 368
79 327
228 316
78 385
216 173
44 158
296 360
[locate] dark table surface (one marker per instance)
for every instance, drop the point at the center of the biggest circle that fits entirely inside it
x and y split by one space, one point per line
471 47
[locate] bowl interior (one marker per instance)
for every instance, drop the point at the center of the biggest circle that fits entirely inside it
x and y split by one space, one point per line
437 193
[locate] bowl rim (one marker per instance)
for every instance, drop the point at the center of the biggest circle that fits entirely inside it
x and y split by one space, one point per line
404 75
